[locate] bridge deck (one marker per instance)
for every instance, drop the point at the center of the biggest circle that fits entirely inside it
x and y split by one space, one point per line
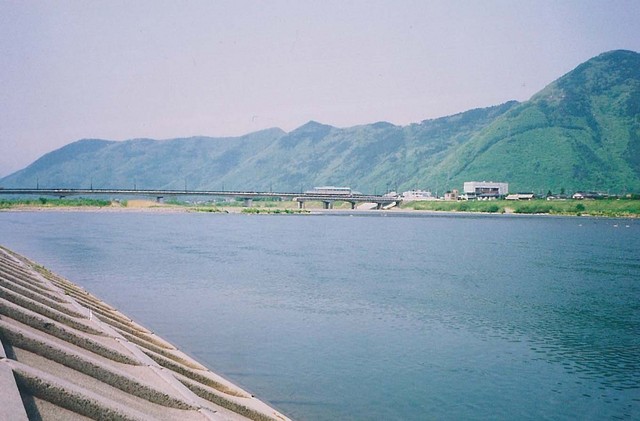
300 197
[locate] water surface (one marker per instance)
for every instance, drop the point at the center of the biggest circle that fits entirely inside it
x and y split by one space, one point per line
366 318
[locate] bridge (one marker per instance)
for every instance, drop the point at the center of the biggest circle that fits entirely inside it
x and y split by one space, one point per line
247 196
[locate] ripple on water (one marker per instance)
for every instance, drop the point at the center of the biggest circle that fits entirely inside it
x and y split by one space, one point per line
456 318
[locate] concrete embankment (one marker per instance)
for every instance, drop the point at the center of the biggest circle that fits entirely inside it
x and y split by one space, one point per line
64 354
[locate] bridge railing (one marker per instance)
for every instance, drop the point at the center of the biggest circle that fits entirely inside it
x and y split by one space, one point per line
215 193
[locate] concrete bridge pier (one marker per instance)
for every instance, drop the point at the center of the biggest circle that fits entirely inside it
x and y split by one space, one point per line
300 204
328 204
353 205
159 199
248 202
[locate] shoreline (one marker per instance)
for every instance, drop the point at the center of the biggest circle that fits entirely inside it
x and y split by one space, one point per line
175 209
605 208
469 214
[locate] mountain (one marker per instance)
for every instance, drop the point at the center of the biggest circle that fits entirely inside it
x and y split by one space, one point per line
142 163
369 158
581 132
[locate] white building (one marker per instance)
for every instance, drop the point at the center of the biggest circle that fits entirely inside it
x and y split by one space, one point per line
485 189
413 195
520 196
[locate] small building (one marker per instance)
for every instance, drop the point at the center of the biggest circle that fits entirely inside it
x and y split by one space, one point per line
452 195
557 197
485 190
416 195
520 196
589 195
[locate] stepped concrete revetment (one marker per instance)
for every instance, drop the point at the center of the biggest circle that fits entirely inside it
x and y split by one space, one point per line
66 355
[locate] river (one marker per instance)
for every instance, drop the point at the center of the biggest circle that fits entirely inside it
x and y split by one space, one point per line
371 317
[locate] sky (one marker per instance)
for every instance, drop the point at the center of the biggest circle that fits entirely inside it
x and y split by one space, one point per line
163 69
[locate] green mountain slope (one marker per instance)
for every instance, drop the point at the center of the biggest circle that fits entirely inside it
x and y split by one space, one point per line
142 163
582 132
369 158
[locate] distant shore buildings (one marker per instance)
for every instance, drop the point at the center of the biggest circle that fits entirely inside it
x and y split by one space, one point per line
485 190
415 195
472 190
520 196
452 195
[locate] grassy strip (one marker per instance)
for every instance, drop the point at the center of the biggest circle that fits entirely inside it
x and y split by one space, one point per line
51 202
605 207
210 209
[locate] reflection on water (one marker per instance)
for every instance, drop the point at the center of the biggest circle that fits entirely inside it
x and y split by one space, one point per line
332 317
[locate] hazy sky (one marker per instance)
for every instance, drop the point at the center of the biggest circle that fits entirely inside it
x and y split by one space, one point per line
125 69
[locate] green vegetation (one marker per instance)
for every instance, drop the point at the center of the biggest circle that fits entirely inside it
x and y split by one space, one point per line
580 132
268 211
623 207
208 209
458 206
258 202
51 203
605 207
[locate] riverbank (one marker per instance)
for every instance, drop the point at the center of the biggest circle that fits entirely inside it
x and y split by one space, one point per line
616 208
613 208
65 353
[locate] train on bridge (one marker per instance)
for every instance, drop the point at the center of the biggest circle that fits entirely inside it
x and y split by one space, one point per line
331 190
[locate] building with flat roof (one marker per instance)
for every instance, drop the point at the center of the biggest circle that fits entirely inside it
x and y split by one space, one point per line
485 189
520 196
416 195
